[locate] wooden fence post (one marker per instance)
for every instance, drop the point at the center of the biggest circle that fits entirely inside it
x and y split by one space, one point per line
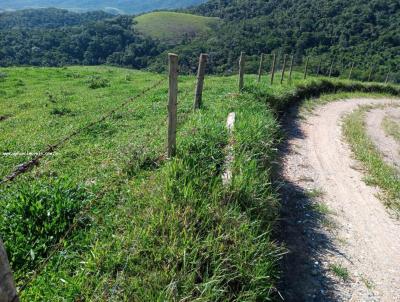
291 68
260 68
387 77
200 80
172 103
283 68
306 68
351 70
371 68
273 68
331 68
319 67
241 70
8 293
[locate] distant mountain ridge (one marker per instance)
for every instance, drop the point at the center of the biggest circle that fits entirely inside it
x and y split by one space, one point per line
112 6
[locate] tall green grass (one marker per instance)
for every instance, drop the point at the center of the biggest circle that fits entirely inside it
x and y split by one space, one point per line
176 232
392 128
380 173
162 230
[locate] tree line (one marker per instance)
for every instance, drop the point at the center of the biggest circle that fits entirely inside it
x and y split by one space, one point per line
55 37
361 32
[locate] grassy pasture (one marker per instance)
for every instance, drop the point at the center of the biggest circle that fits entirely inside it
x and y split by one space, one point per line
107 217
112 182
172 27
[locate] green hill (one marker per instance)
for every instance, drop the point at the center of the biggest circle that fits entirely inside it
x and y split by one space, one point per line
366 32
172 27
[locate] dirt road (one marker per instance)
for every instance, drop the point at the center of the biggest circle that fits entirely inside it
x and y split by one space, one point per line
345 246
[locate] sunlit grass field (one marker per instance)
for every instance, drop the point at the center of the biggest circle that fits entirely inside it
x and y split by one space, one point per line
172 27
106 216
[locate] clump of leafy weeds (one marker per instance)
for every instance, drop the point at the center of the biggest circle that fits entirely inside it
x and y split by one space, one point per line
96 82
35 215
61 111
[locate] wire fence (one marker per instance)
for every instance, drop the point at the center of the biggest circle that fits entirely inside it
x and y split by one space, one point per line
24 167
264 64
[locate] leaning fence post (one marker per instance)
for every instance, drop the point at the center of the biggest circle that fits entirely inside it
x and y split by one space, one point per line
241 70
200 81
370 73
319 67
8 293
331 68
351 70
283 68
273 68
260 68
172 103
306 68
291 68
387 77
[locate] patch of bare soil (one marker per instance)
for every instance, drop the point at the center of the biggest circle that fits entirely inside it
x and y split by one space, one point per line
343 244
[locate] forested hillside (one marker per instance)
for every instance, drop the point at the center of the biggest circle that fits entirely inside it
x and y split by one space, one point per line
48 18
118 6
363 31
53 37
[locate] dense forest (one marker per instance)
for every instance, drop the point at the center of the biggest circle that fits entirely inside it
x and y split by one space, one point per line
113 6
364 32
48 18
53 37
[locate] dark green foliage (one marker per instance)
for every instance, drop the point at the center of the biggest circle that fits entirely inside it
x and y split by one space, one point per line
48 18
97 82
35 215
112 6
112 41
61 111
365 32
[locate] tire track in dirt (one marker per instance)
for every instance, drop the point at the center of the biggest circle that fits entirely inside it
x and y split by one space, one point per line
359 237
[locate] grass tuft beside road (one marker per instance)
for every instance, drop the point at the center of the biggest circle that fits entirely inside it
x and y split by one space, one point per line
380 173
392 128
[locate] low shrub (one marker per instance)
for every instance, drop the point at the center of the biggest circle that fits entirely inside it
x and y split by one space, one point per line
61 111
35 215
96 82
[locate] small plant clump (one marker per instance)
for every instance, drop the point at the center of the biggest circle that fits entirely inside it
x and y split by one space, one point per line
34 216
96 82
340 271
61 111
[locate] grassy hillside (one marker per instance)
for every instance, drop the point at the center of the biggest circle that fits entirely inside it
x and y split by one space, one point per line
117 220
105 216
172 27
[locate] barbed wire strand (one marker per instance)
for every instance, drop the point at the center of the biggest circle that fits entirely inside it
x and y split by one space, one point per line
22 168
